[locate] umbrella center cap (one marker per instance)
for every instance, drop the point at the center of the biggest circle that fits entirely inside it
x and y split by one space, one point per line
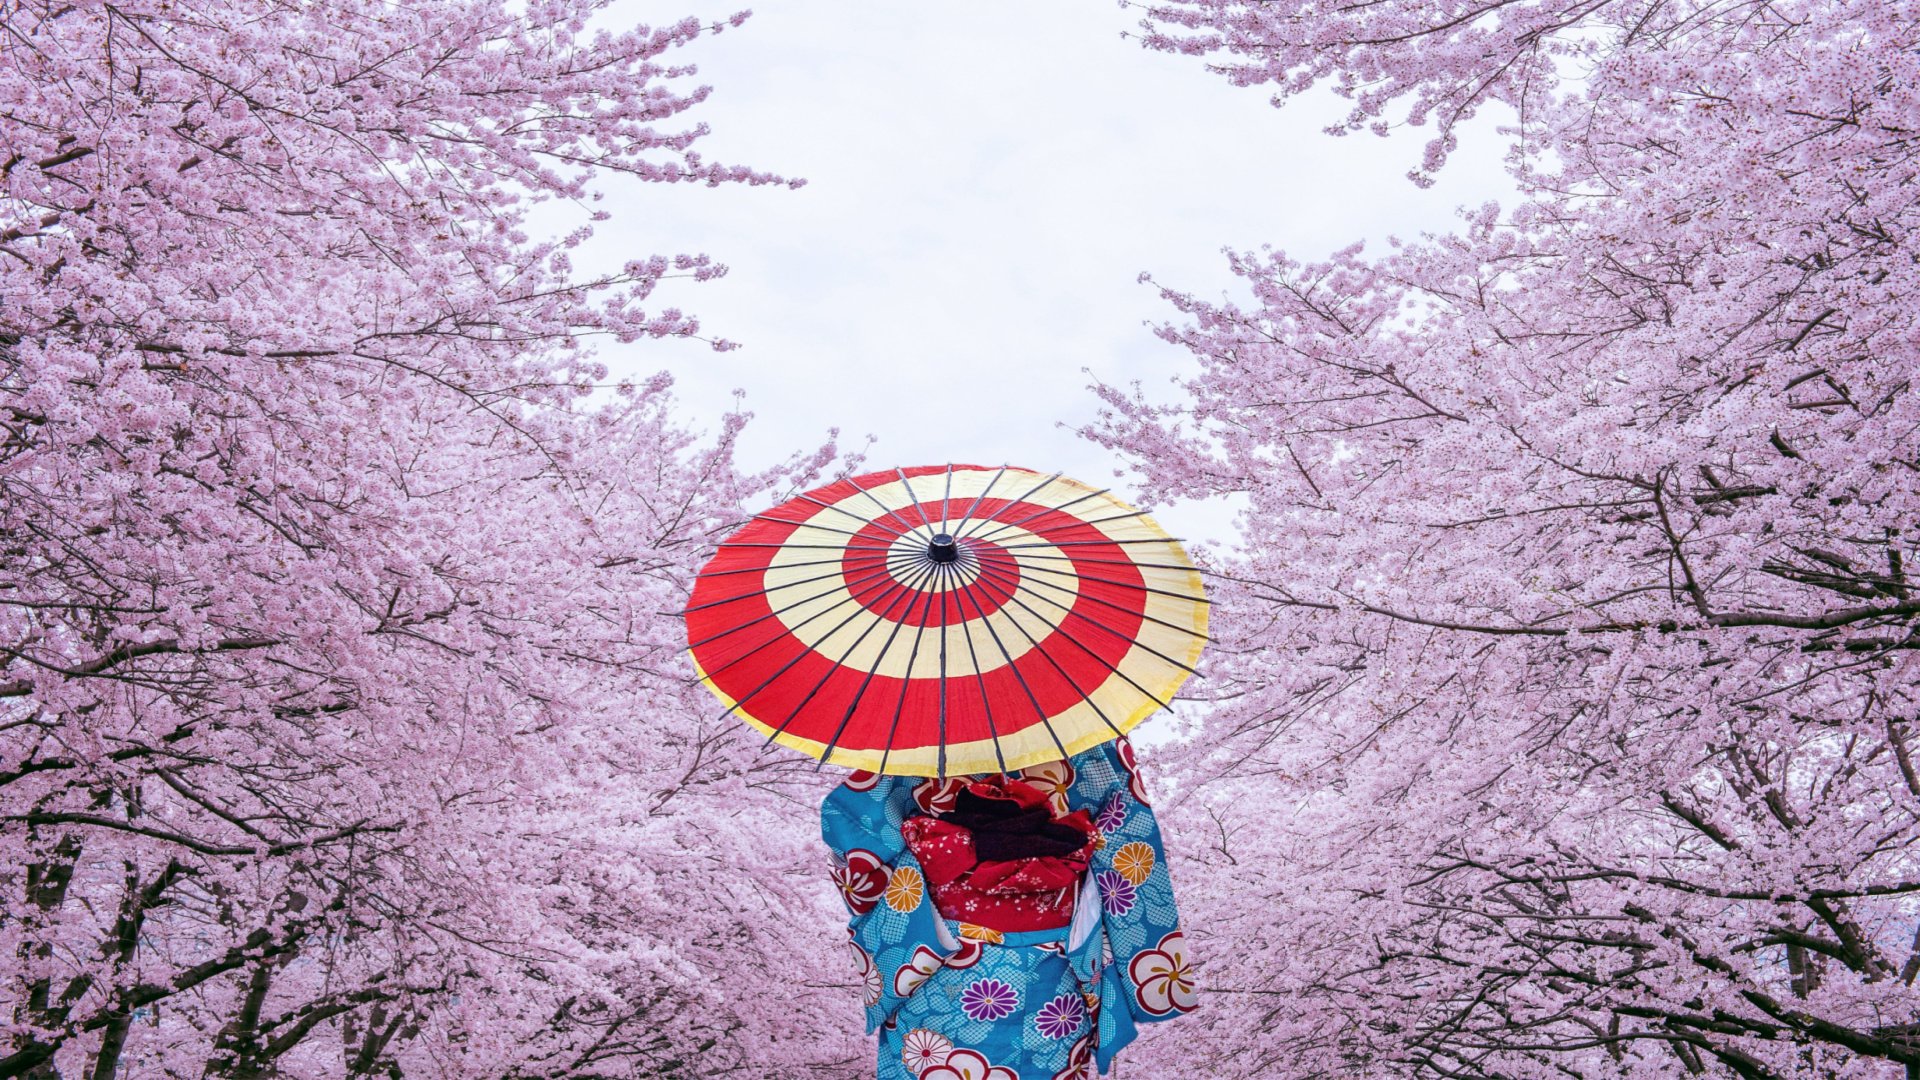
943 549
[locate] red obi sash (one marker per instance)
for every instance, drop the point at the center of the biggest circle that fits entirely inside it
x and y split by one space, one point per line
1006 817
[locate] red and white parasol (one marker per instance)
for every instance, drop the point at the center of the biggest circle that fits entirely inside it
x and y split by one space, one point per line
947 620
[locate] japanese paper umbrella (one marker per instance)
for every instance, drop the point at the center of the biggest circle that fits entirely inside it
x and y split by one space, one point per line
947 620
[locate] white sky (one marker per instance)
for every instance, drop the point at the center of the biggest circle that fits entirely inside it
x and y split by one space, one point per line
986 181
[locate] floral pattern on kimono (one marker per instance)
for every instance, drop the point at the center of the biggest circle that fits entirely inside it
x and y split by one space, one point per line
953 1001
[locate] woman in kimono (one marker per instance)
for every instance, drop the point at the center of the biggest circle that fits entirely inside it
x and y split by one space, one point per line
1013 927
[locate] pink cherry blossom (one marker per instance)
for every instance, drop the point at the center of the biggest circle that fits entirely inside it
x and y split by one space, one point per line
343 728
1565 680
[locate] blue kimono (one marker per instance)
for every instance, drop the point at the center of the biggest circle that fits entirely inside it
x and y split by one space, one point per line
953 1001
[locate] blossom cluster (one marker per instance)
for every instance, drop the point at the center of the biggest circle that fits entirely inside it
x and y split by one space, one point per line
343 728
1565 682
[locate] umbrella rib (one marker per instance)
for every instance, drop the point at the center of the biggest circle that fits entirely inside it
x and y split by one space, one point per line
1116 517
1091 543
809 649
764 569
908 589
906 680
1034 643
977 499
1081 521
946 501
1104 662
835 606
807 547
1135 642
1111 604
885 511
865 521
1188 567
751 593
915 496
783 610
925 573
1116 583
986 700
967 591
803 525
1042 513
990 519
1022 497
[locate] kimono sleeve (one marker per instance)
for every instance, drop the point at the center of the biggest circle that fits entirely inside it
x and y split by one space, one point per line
896 935
1137 957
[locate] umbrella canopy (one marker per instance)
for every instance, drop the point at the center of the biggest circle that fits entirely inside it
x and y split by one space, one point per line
947 620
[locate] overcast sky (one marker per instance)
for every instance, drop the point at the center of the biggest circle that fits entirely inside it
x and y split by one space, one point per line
986 182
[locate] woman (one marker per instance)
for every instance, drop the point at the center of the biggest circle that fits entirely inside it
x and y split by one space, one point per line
1066 859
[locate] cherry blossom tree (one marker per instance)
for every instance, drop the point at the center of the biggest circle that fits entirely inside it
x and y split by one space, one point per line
343 729
1565 680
